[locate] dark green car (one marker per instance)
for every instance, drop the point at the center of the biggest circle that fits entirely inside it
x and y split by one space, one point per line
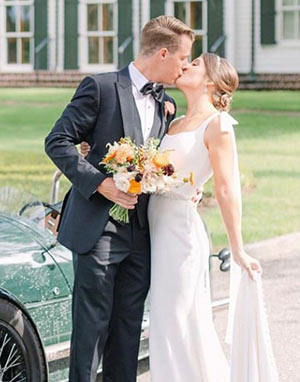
35 303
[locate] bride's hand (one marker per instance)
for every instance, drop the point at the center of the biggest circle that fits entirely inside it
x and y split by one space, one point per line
249 264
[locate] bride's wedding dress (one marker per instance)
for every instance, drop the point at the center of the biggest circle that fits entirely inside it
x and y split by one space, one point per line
184 346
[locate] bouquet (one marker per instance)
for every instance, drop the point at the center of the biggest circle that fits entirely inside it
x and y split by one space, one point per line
142 169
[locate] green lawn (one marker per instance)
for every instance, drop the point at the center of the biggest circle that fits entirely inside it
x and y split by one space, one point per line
268 138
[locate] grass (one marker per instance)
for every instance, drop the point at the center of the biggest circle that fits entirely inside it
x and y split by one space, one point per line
268 139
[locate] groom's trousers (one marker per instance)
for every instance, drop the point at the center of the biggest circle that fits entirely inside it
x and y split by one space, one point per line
110 287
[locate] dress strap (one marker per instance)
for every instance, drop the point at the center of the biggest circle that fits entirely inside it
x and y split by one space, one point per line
227 122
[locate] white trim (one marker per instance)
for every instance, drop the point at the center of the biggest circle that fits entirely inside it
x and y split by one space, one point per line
136 27
17 68
205 26
2 35
169 8
52 35
229 30
145 12
81 59
97 68
61 36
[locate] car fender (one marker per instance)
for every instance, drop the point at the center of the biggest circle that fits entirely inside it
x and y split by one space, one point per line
6 295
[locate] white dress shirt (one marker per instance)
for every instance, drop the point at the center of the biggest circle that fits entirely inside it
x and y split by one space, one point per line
144 103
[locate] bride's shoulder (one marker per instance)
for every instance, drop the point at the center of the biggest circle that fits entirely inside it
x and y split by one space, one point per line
222 123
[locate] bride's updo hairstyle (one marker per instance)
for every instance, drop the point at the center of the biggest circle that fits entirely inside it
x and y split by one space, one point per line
224 77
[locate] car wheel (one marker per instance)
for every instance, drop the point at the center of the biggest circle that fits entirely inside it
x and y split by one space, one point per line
21 356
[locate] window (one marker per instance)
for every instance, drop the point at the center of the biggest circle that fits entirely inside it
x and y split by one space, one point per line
194 14
18 32
290 13
101 32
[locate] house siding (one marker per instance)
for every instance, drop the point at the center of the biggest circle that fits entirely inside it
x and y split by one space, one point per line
278 58
60 21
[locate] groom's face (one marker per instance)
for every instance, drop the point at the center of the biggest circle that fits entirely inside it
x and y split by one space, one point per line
174 64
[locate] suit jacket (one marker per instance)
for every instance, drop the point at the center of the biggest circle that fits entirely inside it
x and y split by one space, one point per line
102 110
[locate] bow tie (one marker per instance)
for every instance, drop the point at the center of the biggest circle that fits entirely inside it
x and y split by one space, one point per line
156 90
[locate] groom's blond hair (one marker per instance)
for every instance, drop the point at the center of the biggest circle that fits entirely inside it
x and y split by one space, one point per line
163 32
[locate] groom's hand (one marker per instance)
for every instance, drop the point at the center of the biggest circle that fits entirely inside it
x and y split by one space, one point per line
109 190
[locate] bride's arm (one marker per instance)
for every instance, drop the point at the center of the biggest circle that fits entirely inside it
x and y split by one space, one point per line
221 147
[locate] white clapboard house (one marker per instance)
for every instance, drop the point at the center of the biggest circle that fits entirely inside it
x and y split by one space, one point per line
50 40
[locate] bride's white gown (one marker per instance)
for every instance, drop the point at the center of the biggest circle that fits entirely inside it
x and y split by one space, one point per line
184 346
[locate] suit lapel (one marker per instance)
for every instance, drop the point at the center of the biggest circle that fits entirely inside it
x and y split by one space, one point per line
162 129
130 116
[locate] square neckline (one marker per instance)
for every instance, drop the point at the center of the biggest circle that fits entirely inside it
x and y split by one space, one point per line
194 130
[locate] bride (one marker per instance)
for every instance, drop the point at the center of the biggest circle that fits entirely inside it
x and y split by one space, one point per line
183 342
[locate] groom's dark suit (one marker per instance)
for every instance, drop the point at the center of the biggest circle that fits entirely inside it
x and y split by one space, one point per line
111 260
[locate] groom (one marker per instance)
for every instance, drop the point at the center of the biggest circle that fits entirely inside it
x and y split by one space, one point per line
112 260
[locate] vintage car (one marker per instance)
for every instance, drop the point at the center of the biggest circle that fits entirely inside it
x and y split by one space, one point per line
35 294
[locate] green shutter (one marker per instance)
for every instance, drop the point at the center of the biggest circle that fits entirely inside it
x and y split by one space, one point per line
125 12
267 22
71 34
215 26
157 8
40 34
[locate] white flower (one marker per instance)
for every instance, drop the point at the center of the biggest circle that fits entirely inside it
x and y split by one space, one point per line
122 182
161 184
149 183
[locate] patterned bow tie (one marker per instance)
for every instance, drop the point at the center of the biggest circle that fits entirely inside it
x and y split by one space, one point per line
156 90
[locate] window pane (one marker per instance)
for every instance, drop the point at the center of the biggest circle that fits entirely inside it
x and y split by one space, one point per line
25 19
196 15
197 49
11 19
108 50
93 50
288 2
12 50
107 17
25 50
92 17
289 25
180 11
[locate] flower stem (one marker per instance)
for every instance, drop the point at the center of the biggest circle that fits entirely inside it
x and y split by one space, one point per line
119 213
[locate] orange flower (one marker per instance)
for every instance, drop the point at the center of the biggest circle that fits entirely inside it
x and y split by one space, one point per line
109 156
135 187
161 159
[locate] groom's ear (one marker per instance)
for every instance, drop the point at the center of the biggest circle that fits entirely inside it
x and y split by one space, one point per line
162 53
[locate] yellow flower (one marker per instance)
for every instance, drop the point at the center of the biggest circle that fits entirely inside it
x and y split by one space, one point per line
192 178
161 159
